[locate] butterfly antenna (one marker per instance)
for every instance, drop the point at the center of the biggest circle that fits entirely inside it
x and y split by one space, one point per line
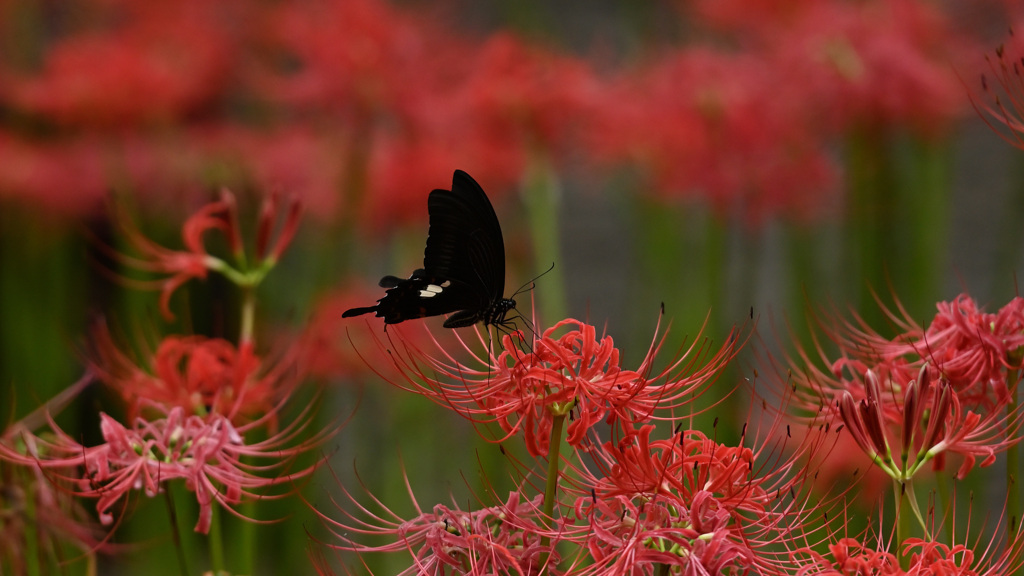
532 283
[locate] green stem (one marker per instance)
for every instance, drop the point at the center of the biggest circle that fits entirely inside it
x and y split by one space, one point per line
1013 511
247 550
216 542
551 486
870 213
541 192
248 320
32 537
942 482
172 515
902 523
911 497
923 214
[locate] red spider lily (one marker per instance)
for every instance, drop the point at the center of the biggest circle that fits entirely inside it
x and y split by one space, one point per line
1004 90
502 539
849 557
195 261
571 374
690 502
928 420
681 465
973 352
198 374
209 453
181 265
693 538
972 349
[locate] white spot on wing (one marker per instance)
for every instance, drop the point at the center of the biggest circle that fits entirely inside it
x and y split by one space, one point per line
433 290
445 284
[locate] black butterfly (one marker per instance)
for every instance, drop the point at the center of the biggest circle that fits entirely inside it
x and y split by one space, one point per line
463 265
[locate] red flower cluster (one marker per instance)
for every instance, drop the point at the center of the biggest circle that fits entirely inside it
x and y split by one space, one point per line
939 389
568 372
850 557
633 505
197 403
502 539
198 374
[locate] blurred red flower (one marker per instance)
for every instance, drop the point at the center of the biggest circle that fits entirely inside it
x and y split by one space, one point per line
159 62
198 374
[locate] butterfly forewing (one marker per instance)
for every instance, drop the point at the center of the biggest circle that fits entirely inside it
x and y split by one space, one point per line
463 265
465 242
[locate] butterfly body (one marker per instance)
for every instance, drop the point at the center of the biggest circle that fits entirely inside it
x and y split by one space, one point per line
463 270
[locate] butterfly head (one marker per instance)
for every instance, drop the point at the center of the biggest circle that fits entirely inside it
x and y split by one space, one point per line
496 314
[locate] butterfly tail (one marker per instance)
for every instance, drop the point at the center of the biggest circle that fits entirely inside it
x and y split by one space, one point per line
358 311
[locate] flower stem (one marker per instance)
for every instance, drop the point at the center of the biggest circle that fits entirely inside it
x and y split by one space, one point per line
247 537
216 542
870 217
32 537
172 515
541 193
248 312
1013 511
902 523
551 487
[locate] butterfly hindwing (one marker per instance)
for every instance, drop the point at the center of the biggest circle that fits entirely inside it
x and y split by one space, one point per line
416 297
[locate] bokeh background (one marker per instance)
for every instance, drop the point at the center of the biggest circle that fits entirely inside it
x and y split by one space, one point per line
727 158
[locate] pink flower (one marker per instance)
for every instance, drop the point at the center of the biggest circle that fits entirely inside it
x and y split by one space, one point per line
501 539
209 454
972 349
